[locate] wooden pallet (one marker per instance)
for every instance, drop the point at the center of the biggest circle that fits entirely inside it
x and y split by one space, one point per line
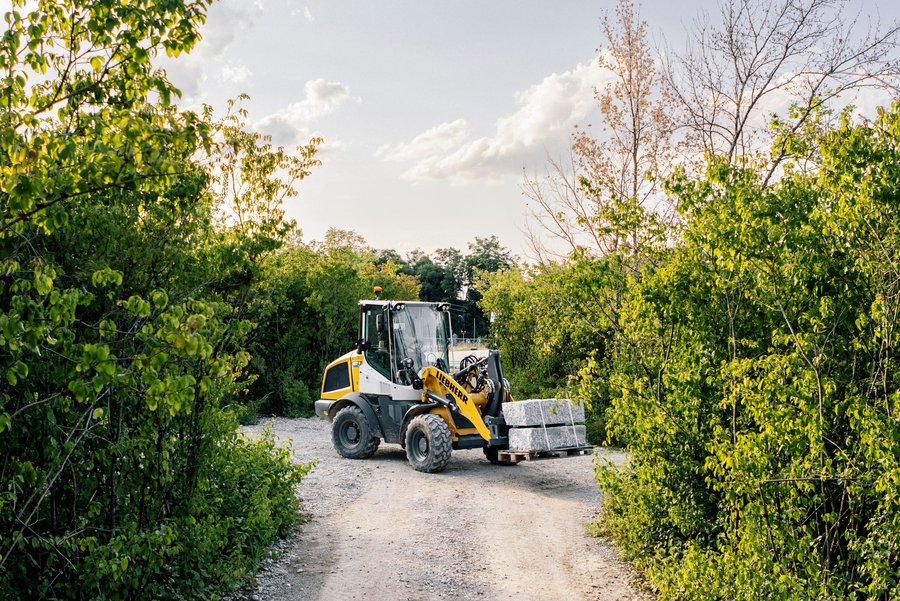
517 456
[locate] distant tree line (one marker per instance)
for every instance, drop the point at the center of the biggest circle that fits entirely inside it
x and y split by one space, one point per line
306 311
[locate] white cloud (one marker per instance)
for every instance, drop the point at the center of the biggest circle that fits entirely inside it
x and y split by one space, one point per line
224 20
546 113
438 140
303 12
322 98
232 74
291 123
331 146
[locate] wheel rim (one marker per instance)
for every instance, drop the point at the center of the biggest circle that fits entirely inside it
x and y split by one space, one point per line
419 446
349 434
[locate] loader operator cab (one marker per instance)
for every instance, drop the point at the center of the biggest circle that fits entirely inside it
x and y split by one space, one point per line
399 339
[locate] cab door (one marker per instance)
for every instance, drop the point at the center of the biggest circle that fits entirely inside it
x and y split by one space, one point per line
375 371
399 392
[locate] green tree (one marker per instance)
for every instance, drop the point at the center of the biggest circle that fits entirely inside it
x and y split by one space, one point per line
486 255
758 395
546 321
123 474
449 276
306 310
78 118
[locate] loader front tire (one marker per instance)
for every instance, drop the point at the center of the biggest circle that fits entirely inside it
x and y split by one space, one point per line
428 443
351 434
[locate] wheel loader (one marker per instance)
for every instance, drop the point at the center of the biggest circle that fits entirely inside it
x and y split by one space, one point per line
397 386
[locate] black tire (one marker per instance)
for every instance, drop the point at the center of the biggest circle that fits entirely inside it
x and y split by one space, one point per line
493 455
351 435
428 443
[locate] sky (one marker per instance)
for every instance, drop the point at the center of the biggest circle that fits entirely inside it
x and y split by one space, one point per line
432 112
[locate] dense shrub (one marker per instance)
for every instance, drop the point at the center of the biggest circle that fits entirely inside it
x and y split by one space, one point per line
548 323
123 474
244 498
122 324
758 392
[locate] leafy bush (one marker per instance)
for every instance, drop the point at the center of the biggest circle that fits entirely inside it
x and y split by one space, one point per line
123 475
758 392
547 323
122 337
245 498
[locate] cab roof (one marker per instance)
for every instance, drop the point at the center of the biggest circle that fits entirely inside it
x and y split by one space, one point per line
384 303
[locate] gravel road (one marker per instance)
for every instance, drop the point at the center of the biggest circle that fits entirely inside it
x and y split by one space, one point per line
380 531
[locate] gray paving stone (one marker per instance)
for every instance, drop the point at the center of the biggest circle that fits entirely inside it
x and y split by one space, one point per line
540 412
546 439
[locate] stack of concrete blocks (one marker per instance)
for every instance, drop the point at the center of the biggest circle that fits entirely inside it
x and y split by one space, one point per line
545 424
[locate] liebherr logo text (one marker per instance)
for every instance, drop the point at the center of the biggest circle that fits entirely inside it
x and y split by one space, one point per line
452 385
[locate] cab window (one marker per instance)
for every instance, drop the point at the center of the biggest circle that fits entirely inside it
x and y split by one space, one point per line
377 339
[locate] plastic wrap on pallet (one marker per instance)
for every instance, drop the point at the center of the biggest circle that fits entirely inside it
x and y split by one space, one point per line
556 412
546 439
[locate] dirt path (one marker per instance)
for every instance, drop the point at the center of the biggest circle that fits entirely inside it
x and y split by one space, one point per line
381 531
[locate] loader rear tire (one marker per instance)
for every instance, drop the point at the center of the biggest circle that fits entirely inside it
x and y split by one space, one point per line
351 434
428 443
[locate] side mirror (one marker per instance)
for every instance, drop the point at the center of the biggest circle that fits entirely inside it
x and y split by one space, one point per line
380 324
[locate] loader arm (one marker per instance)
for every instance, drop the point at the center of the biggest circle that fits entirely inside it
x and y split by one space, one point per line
437 382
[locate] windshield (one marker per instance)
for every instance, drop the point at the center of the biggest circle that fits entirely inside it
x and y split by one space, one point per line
420 334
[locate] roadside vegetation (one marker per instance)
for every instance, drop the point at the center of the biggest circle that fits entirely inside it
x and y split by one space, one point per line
730 314
757 394
123 324
718 279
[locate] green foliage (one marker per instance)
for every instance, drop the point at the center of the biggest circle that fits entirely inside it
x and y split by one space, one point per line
122 327
115 449
450 276
77 79
547 321
486 255
307 315
245 498
438 282
757 390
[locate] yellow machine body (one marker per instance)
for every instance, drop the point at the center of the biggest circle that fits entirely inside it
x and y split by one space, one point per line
397 380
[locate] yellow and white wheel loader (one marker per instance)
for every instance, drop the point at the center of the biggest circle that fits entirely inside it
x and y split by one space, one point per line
396 386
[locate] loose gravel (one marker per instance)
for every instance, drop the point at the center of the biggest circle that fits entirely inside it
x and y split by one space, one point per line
378 530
